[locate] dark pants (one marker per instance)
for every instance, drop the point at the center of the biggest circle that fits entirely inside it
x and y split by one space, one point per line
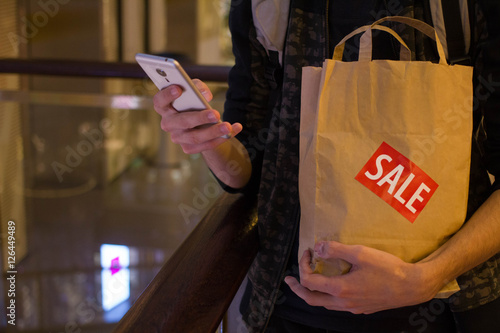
484 319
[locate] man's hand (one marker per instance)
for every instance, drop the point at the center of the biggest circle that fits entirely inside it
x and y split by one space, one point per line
202 132
377 281
187 128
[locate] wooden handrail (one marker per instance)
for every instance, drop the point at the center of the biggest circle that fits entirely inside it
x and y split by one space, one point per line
193 290
102 69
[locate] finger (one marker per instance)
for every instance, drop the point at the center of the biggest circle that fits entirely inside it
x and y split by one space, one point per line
199 136
163 99
203 88
332 285
207 145
305 263
318 282
174 121
313 298
307 276
237 128
330 302
332 249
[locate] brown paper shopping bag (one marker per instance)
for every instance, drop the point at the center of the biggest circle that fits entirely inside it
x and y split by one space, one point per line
384 151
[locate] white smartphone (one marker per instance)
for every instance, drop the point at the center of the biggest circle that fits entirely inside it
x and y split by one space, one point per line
165 72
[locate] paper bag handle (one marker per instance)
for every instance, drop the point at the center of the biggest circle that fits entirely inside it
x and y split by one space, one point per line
405 53
365 52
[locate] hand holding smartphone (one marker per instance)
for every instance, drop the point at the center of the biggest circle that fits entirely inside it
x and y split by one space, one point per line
167 71
196 132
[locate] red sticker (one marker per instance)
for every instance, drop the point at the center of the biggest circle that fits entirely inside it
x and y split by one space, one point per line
397 181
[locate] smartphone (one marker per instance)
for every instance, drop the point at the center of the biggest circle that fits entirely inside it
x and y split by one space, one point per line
165 72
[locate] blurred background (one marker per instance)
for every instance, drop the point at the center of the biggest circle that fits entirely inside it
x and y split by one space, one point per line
96 197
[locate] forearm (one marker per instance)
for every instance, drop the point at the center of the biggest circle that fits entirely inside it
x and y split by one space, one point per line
477 241
230 163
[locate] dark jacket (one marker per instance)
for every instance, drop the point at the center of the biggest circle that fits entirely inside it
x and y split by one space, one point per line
271 118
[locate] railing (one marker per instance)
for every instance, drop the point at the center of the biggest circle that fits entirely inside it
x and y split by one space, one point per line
102 69
194 289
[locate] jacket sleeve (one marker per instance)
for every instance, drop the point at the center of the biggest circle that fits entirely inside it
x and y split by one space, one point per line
487 91
247 97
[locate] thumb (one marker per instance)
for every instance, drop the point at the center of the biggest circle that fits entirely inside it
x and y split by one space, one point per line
332 249
203 88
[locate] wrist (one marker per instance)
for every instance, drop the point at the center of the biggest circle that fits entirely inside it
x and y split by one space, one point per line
430 279
230 163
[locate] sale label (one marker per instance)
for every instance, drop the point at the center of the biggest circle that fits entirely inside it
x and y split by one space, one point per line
397 181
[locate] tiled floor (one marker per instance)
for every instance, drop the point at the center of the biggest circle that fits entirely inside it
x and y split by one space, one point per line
150 210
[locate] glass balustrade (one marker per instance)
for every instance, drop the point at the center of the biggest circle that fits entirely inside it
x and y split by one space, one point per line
99 196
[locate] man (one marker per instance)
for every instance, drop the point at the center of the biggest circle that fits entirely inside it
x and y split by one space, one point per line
262 114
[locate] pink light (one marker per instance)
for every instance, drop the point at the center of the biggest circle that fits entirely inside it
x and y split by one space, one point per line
115 265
